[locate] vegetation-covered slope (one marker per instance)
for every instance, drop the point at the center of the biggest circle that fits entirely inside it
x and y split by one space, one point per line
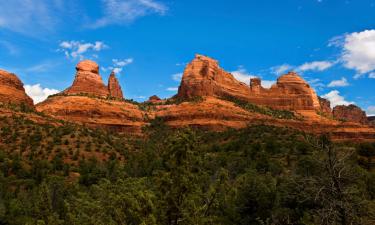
258 175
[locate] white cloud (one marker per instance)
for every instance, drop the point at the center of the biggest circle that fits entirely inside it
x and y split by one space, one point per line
372 75
34 17
243 76
39 94
278 70
371 111
358 51
315 66
126 11
268 83
177 77
343 82
78 49
336 99
172 89
118 65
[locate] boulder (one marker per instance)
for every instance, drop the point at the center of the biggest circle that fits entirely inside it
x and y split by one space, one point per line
12 90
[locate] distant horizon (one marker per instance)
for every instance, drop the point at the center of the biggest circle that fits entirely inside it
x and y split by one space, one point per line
330 43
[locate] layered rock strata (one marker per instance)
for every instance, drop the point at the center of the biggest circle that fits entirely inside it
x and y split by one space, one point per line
350 113
12 90
114 87
204 77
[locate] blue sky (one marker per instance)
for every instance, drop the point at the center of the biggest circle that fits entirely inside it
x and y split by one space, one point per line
148 42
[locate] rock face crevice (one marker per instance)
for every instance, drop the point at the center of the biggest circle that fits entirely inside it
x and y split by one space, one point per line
204 77
12 90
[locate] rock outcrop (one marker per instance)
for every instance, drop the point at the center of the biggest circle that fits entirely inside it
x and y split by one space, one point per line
115 115
204 77
325 107
114 87
154 99
12 90
88 81
350 113
371 120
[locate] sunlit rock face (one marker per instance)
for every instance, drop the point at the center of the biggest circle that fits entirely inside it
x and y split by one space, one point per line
204 77
325 107
114 87
12 91
350 113
87 80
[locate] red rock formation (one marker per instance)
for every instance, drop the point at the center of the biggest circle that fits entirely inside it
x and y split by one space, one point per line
350 113
204 77
371 120
154 99
95 112
88 81
12 91
114 87
325 107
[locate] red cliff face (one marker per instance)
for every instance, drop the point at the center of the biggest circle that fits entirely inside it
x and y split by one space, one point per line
114 87
88 81
325 107
12 91
350 113
204 77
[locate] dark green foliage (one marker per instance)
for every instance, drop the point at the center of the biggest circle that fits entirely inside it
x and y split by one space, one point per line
258 175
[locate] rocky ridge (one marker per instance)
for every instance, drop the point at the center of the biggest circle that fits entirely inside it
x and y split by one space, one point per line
204 104
351 113
204 77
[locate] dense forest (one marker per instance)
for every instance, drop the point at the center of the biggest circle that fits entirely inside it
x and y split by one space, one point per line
259 175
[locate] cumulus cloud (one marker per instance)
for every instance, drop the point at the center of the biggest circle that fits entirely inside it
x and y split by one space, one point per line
336 99
78 49
172 89
243 76
38 93
118 65
278 70
358 51
371 111
126 11
315 66
343 82
177 77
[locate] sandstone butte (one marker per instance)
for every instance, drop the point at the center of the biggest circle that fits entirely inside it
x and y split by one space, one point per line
90 102
12 91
